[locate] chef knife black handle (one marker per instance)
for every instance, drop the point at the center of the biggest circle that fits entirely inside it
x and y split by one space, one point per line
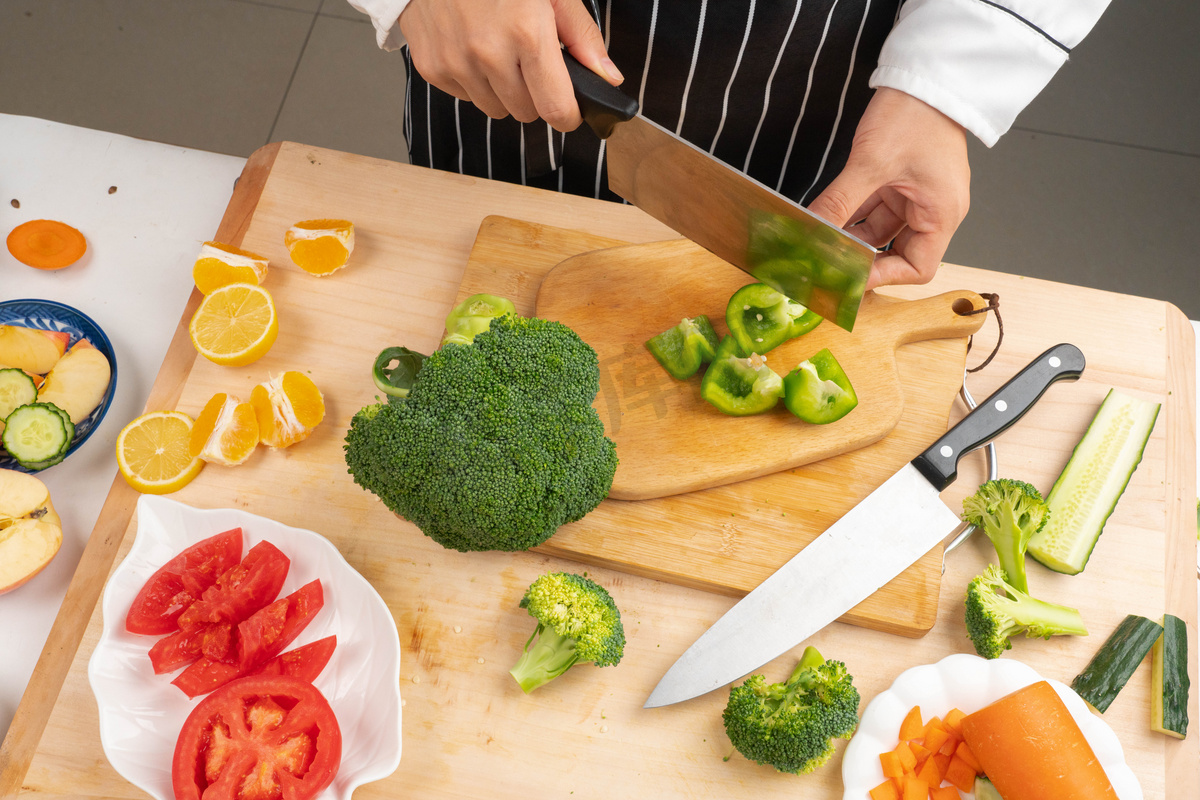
939 464
601 104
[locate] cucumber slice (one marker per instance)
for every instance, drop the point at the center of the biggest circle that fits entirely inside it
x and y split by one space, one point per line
1109 670
54 459
1089 487
16 389
1169 681
35 434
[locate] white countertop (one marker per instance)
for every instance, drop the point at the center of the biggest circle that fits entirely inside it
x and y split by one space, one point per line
134 282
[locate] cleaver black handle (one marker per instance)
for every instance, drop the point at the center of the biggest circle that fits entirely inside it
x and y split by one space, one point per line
601 104
939 464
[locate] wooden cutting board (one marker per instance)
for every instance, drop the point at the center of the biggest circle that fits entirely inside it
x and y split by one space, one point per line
670 440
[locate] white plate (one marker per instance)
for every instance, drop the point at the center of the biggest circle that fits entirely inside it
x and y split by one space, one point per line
141 713
968 683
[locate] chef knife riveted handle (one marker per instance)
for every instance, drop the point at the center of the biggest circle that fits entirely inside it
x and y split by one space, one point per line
601 104
939 464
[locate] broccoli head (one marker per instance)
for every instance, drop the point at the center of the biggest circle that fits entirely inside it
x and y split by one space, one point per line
997 611
1010 512
577 623
791 726
496 445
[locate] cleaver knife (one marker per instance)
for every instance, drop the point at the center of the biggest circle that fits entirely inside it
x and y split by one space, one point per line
733 216
874 542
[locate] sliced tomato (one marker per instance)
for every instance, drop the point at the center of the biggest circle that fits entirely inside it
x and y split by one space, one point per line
264 737
181 580
305 662
240 591
186 646
260 638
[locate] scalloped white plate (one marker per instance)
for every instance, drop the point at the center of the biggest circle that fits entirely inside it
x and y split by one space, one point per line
141 713
968 683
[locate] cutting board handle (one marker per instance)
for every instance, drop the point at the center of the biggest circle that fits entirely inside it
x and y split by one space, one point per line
939 317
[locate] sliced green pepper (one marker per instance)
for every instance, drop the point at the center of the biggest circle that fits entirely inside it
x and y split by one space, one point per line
738 385
760 319
818 390
682 349
473 316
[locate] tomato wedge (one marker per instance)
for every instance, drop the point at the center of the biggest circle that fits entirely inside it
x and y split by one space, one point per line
264 737
181 580
240 591
184 647
305 662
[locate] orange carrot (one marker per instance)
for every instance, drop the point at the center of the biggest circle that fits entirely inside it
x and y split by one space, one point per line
961 774
885 791
915 789
930 773
1032 749
936 738
953 720
964 752
912 727
46 244
905 754
892 768
944 793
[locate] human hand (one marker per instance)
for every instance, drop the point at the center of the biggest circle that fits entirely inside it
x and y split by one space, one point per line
504 55
907 180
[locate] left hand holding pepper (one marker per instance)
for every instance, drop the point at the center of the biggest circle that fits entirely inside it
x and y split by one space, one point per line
907 181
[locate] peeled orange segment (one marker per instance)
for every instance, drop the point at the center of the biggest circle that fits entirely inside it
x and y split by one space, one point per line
320 246
288 407
219 265
153 454
46 244
226 432
235 325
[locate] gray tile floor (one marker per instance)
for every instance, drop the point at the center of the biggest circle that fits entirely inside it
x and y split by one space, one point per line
1098 183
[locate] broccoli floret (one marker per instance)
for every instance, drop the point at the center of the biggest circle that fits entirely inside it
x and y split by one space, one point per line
791 726
1010 512
997 611
577 623
497 444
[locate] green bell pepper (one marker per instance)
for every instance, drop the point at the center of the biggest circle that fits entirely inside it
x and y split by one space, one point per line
682 349
760 319
818 391
738 385
474 315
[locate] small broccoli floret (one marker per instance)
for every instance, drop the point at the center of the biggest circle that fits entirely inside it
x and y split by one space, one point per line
577 623
1010 512
997 611
791 726
496 445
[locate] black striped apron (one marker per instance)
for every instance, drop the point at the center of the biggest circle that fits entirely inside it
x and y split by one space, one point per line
774 88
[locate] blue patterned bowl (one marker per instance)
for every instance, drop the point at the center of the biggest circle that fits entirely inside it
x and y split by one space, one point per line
51 316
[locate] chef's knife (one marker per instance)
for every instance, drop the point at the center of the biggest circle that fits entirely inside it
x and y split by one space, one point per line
874 542
735 217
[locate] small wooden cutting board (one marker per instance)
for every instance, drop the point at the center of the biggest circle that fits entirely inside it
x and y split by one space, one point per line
669 440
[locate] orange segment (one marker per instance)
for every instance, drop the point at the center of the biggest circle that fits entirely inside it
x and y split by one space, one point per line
320 246
153 454
288 407
46 244
219 265
226 432
235 324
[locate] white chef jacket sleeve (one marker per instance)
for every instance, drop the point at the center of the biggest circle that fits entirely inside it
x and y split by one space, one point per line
383 14
981 62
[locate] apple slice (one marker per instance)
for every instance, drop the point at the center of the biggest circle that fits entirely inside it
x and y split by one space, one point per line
30 528
32 349
21 496
78 381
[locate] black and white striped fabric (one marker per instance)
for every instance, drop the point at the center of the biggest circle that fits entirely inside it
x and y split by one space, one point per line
774 88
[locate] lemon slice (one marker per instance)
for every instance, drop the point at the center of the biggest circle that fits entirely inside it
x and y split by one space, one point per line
320 246
152 452
235 325
219 265
226 432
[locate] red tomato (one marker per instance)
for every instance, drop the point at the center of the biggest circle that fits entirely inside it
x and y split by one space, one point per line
240 591
177 583
305 662
184 647
258 738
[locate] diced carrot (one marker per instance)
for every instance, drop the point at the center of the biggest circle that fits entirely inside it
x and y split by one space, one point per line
905 754
943 761
961 774
934 723
912 727
949 746
953 721
944 793
934 739
915 789
964 752
887 791
920 751
890 761
930 773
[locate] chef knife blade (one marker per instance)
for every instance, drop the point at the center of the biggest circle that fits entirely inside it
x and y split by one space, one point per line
738 219
874 542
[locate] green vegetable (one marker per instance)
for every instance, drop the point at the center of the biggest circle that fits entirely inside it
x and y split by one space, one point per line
16 389
997 611
740 386
1170 682
473 316
1010 512
37 435
577 623
682 349
760 319
1089 487
1113 664
818 391
791 726
497 445
395 371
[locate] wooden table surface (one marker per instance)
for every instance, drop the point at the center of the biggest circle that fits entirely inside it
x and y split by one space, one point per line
469 732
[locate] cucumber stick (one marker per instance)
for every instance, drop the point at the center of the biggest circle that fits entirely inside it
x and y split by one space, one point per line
1090 485
1169 682
1113 664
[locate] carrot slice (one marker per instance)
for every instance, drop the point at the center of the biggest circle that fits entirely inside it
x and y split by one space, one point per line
944 793
46 244
907 759
930 773
961 774
953 721
884 791
964 752
912 727
934 739
915 789
892 768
